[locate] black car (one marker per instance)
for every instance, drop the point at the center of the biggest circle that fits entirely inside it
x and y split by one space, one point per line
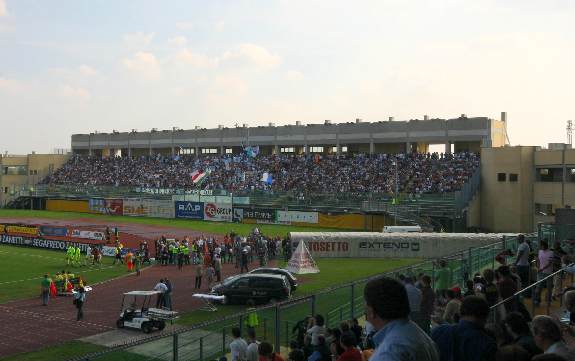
278 271
261 288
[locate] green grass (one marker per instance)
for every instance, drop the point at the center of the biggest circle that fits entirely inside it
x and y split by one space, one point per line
61 352
201 226
22 269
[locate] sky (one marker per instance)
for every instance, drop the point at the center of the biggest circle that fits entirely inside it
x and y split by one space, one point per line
76 66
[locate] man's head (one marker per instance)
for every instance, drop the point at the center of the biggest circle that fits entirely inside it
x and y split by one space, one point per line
426 281
319 320
569 300
236 332
45 276
521 238
544 245
474 309
546 331
251 333
386 300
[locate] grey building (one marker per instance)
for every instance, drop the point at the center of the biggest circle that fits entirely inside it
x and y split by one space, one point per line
458 134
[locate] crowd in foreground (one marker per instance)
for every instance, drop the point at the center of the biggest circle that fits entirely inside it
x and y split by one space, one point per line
417 173
415 318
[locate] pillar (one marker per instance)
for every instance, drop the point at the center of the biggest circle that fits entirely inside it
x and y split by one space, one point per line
447 147
276 149
371 147
408 147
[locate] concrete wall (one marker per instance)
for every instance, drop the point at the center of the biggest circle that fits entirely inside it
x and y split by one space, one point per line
507 206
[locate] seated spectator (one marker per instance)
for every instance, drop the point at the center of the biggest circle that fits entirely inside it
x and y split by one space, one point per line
397 338
321 351
517 327
316 328
467 340
350 352
512 353
569 303
547 336
296 355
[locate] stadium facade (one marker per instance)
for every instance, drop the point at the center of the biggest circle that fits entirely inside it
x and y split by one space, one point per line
459 134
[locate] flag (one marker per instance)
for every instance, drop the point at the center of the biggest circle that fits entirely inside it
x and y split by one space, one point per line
198 176
267 178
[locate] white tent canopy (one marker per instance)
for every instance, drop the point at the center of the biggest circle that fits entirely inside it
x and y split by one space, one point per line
301 261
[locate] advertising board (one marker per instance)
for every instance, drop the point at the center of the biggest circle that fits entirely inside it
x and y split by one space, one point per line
99 236
136 207
295 216
106 206
217 212
159 208
189 210
40 242
259 214
21 229
53 231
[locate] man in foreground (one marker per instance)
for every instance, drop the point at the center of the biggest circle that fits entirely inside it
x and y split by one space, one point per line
397 338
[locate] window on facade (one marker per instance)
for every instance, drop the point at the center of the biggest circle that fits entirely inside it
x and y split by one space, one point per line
543 209
316 149
229 150
549 174
501 177
5 189
344 149
187 151
570 174
513 177
287 150
209 150
15 170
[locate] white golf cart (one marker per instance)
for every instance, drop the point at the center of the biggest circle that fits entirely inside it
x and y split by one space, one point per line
136 312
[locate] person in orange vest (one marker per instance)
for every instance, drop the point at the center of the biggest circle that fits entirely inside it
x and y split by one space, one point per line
129 260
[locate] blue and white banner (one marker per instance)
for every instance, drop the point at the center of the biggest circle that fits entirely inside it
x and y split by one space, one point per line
53 231
189 210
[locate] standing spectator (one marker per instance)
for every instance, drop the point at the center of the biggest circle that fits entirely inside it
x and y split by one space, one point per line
547 336
414 297
168 294
442 278
210 273
79 300
507 287
199 273
253 344
522 260
490 290
321 351
518 328
452 311
397 338
558 254
244 260
350 351
467 340
162 288
316 328
238 347
427 303
356 329
45 289
218 268
544 269
266 352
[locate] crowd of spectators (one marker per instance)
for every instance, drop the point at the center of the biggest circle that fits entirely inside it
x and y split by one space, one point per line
417 173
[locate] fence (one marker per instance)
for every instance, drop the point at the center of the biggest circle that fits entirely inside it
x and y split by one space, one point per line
279 323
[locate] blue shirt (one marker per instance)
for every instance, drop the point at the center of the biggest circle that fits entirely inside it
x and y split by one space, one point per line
403 340
466 340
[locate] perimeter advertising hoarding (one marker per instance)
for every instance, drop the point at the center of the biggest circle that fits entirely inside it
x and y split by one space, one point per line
40 242
218 212
99 236
20 229
289 217
53 231
106 206
259 214
189 210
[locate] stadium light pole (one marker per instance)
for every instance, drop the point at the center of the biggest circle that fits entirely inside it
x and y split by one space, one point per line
396 192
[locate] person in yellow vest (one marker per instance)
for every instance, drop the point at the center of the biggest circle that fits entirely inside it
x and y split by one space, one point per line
69 255
77 256
252 320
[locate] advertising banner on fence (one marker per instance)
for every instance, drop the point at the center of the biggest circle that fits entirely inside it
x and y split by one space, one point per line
189 210
238 215
161 208
39 242
99 236
296 216
106 206
137 207
109 251
218 212
20 229
259 214
53 231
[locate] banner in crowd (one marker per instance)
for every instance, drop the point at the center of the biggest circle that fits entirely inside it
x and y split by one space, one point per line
295 216
168 191
106 206
20 229
189 210
259 214
40 242
218 212
53 231
108 251
99 236
241 200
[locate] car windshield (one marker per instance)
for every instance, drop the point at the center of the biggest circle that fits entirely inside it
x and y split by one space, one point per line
229 280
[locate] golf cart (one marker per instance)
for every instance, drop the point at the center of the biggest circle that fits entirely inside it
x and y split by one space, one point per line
136 312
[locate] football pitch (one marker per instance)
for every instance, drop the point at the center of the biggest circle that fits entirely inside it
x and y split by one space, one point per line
22 269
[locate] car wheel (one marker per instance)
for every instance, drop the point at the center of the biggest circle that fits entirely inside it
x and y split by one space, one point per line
146 327
120 323
161 325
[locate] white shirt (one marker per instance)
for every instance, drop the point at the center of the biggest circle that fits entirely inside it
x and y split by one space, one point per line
161 287
314 332
88 251
414 297
524 259
239 349
252 352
